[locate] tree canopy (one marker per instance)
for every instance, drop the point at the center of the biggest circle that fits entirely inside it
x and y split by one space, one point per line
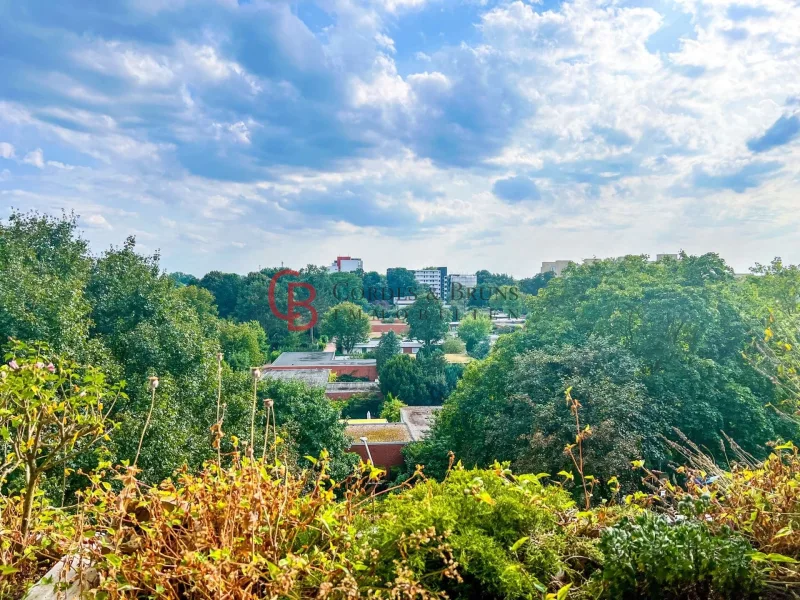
646 346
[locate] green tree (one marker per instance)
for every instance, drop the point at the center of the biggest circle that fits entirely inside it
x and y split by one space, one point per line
388 347
401 377
44 267
532 285
311 422
244 345
401 282
226 288
473 329
647 346
181 279
453 346
426 320
508 299
348 323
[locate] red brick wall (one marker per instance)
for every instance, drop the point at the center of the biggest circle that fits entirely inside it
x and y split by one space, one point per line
368 371
383 455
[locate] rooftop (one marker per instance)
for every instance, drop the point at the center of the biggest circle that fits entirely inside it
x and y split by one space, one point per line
418 419
313 377
315 359
351 386
378 433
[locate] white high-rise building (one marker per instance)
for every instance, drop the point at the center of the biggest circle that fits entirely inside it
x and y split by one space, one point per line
461 282
433 279
346 264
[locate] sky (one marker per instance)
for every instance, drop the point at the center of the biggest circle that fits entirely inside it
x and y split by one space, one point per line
473 134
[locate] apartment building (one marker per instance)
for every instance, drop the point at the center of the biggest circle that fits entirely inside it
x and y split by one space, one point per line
433 279
461 281
346 264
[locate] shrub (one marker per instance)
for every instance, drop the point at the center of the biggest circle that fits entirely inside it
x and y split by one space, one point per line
357 405
650 558
508 533
453 346
391 409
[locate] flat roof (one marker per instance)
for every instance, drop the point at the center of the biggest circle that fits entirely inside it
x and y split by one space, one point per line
316 359
418 419
313 377
379 433
351 386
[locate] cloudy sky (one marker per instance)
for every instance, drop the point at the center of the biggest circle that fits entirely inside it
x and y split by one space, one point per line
467 133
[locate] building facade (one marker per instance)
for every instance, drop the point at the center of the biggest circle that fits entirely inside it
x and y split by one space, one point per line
346 264
434 280
556 266
461 282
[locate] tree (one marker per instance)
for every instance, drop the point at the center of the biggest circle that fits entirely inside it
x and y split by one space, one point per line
647 346
453 346
348 323
375 286
508 299
181 279
226 288
43 269
51 410
401 282
244 345
532 285
473 329
426 320
402 378
388 346
311 422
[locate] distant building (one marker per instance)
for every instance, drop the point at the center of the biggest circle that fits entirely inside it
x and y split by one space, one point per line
663 256
556 266
418 419
433 279
294 361
461 282
346 264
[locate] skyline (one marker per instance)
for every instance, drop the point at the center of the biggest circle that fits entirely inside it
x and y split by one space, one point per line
475 134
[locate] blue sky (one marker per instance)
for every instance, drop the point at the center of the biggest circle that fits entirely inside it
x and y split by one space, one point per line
471 133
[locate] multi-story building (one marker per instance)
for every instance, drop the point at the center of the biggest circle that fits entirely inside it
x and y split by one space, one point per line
346 264
433 279
459 282
556 266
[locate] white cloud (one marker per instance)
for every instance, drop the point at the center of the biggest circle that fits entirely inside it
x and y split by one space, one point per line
35 158
6 150
96 221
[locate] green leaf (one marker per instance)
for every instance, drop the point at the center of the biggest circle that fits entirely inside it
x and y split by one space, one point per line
518 544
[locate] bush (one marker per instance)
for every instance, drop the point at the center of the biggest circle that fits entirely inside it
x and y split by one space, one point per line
481 350
391 409
650 558
510 534
453 346
357 405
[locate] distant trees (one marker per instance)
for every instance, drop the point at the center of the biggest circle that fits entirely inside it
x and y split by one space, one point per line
508 299
348 324
426 320
473 329
401 282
